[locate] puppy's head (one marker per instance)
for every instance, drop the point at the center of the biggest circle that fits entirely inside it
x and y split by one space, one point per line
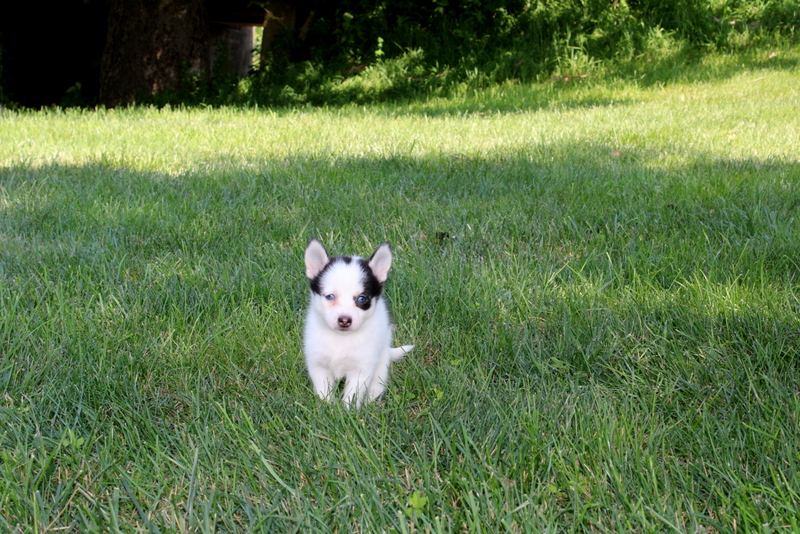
345 289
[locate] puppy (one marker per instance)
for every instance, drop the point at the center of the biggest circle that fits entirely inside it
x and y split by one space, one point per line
348 332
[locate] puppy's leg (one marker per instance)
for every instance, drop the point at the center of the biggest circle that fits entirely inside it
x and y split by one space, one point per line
355 388
323 381
379 380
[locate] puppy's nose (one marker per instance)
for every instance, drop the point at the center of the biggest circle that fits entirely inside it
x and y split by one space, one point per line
345 321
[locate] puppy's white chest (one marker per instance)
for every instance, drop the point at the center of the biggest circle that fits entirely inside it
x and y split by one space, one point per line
342 352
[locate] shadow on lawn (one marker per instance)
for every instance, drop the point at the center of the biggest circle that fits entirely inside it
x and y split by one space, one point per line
584 186
195 247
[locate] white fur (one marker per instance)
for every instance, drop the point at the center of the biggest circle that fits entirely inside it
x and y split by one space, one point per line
360 351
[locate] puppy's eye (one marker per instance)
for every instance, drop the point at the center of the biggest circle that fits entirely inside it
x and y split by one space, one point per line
329 297
361 299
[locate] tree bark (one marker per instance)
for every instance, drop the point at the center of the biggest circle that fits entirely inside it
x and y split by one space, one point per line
151 45
280 18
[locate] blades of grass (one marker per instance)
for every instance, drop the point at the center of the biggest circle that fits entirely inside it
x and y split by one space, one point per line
192 488
139 509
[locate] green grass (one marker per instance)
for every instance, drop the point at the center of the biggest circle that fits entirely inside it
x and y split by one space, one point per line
601 280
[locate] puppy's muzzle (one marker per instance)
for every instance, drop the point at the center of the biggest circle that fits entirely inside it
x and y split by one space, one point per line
345 322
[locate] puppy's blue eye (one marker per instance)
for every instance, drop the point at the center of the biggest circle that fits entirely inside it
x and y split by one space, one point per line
361 299
329 297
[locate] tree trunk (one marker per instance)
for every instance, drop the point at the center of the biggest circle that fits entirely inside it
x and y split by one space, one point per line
280 18
151 45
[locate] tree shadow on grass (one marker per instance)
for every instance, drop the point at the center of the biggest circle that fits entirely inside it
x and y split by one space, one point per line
564 194
166 310
235 232
131 295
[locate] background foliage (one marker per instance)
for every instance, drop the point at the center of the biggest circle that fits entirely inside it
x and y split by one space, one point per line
367 51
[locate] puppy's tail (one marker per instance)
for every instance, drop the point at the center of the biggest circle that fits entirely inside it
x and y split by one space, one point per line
397 353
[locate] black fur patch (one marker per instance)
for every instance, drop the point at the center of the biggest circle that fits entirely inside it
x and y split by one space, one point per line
372 288
367 304
316 288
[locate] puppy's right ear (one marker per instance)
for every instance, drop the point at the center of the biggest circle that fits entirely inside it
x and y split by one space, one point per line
316 259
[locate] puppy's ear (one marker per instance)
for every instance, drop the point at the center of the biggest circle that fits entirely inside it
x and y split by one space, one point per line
316 259
381 261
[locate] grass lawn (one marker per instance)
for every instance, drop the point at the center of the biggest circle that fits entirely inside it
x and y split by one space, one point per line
602 279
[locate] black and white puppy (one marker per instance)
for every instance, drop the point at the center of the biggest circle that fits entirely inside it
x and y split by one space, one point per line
348 333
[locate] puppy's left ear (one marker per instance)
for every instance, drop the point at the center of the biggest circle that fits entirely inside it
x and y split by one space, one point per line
381 261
